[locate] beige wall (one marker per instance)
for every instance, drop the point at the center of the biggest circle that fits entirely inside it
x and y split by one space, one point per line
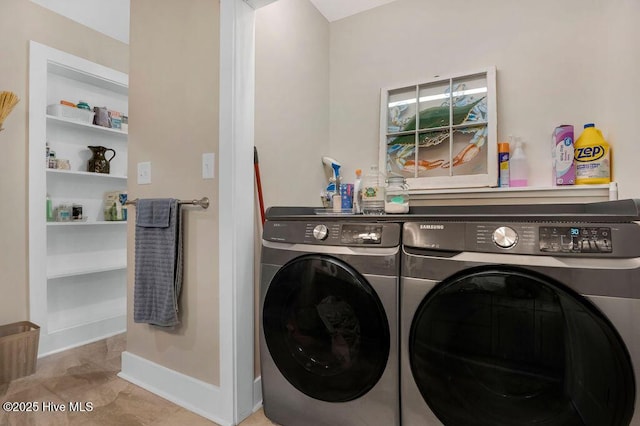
569 62
21 21
292 101
173 110
621 59
291 111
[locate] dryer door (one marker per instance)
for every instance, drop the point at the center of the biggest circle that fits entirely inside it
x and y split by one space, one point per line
505 346
326 329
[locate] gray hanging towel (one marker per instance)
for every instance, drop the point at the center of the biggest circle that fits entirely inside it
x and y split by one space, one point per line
158 258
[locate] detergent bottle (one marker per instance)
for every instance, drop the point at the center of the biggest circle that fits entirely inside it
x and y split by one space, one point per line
593 157
373 192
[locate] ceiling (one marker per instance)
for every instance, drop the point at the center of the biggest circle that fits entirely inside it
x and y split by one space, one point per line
338 9
108 17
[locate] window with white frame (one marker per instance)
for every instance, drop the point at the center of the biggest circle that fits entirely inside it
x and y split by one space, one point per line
441 133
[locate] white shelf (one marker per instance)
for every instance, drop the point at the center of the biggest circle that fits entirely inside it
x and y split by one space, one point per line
519 190
61 172
70 265
80 125
550 194
85 271
93 78
89 223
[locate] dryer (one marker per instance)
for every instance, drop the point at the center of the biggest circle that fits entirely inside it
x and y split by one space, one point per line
521 320
329 320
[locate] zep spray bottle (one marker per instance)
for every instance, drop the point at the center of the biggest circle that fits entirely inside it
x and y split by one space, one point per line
593 157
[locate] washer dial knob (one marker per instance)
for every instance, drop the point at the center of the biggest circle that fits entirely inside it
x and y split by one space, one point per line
320 232
505 237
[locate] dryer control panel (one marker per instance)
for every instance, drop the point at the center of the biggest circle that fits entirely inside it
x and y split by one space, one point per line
575 239
548 238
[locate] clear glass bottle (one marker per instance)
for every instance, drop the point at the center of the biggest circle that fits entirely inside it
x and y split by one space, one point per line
397 195
373 192
63 213
357 193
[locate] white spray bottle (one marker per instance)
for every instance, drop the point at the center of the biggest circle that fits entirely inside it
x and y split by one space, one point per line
518 167
333 188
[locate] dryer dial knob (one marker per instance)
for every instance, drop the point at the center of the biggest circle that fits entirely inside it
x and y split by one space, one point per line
505 237
320 232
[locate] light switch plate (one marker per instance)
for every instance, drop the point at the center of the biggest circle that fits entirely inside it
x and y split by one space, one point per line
208 165
144 173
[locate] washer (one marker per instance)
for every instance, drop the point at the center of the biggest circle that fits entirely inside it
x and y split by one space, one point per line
329 320
509 319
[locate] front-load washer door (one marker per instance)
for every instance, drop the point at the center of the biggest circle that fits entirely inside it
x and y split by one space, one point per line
325 328
504 346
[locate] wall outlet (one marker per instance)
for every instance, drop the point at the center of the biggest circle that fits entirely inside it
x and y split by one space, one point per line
144 173
208 165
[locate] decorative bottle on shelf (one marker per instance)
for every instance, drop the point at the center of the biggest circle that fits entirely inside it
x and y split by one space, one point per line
373 192
49 209
518 167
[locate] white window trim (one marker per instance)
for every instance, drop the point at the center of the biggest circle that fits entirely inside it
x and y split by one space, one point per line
462 181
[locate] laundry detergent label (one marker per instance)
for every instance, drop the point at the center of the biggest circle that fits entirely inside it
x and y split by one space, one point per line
372 193
590 153
592 162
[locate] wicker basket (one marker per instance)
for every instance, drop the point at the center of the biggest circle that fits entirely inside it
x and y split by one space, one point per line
18 350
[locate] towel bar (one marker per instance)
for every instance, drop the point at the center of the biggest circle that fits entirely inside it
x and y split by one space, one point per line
202 202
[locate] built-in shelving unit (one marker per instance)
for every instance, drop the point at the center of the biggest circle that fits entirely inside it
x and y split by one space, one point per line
77 269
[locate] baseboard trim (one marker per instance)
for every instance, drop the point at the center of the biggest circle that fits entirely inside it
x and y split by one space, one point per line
83 334
192 394
257 393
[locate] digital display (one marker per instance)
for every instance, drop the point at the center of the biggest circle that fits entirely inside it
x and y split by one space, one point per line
361 234
565 239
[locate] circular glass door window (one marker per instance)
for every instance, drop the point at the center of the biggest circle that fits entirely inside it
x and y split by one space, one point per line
326 329
504 346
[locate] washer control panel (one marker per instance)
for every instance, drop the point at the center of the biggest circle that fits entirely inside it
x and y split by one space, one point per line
333 233
320 232
361 234
349 235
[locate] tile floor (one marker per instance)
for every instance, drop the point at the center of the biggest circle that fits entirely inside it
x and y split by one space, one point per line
89 374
